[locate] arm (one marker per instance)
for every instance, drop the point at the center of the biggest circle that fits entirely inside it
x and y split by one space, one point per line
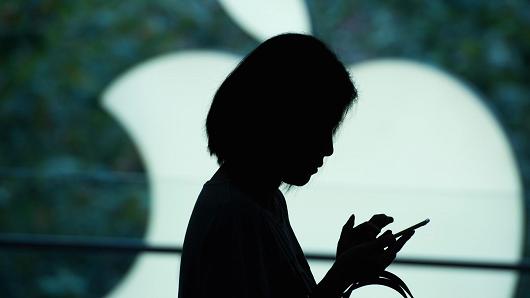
231 260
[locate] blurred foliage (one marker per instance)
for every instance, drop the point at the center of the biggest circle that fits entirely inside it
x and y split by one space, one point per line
67 167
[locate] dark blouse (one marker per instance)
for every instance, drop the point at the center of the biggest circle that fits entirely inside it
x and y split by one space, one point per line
234 247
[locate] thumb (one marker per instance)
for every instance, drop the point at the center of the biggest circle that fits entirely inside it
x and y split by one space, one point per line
350 223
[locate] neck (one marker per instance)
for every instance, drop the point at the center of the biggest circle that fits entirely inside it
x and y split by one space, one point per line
261 181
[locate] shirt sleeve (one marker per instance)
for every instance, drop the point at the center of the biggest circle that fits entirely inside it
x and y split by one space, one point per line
240 260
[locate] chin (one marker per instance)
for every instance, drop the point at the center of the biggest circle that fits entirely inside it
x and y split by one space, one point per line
299 180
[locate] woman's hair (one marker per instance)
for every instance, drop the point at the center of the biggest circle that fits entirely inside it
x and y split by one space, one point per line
287 81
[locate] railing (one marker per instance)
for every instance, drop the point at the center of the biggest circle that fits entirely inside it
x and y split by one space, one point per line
116 245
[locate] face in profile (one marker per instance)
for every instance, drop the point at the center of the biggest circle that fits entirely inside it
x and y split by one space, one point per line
304 152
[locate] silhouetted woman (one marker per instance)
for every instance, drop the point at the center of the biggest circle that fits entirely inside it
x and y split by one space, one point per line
272 122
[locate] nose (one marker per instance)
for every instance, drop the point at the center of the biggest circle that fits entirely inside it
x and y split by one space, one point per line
328 146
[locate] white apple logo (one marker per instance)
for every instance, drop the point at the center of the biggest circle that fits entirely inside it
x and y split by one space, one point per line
418 144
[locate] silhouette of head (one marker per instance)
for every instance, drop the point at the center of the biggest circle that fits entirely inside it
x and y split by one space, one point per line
279 108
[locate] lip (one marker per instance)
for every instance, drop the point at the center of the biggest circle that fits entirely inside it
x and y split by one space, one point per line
317 166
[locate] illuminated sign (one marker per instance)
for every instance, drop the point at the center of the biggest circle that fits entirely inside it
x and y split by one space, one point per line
418 144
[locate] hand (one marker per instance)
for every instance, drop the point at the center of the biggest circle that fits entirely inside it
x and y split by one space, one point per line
352 236
364 261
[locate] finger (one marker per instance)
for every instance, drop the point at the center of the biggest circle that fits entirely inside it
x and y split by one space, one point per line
386 259
350 223
398 245
370 230
385 240
381 220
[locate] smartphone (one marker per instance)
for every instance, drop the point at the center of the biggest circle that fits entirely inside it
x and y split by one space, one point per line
414 227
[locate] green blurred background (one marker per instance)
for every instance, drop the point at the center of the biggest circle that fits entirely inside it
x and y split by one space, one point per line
67 168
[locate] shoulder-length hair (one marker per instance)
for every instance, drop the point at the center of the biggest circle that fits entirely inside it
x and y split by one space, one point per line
286 81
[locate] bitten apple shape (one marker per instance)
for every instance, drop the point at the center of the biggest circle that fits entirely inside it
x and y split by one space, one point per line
418 144
163 104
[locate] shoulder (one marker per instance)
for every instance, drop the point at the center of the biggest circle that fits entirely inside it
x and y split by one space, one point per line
220 216
225 205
